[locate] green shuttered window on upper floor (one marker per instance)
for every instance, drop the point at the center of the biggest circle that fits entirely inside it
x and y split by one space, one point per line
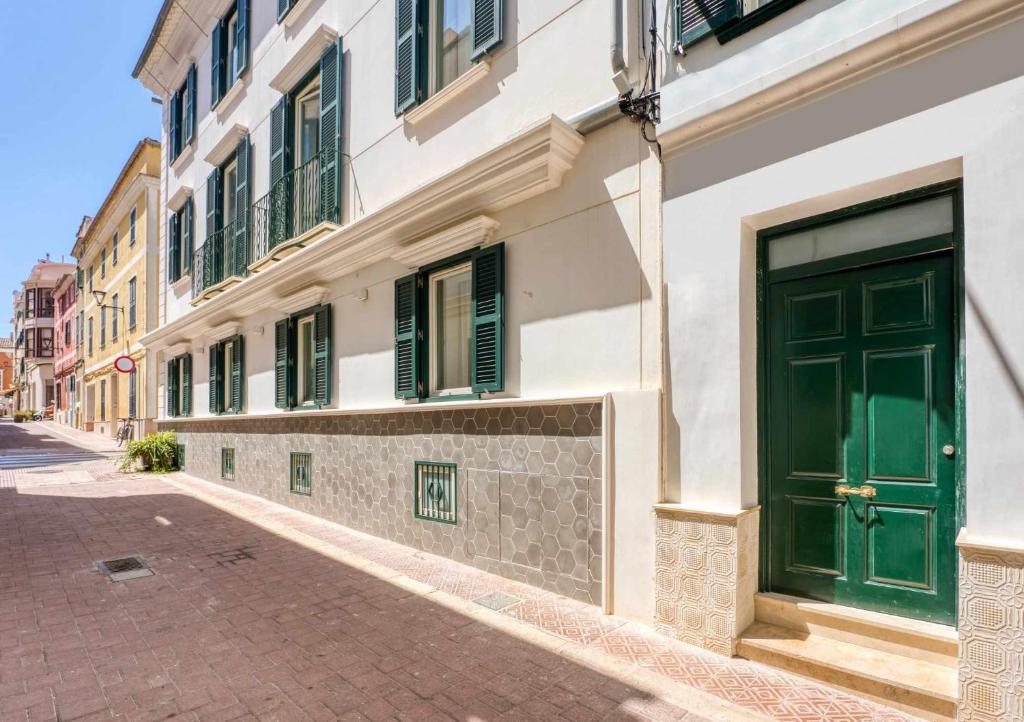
180 232
181 116
694 20
437 40
229 50
450 327
302 359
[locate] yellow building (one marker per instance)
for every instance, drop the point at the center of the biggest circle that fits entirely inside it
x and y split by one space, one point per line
118 259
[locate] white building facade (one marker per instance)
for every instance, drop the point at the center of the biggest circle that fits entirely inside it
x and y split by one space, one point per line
841 193
413 274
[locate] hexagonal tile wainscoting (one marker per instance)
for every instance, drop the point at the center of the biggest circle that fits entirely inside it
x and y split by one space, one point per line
528 481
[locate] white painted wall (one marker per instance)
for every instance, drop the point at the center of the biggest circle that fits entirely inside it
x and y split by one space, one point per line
578 259
956 113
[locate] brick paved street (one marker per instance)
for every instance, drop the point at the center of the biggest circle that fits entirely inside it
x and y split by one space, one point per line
259 612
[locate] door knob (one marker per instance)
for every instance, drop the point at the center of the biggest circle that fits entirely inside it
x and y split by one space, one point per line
948 450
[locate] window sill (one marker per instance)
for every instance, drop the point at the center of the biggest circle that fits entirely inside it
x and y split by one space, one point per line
182 284
295 13
227 102
227 144
447 94
179 163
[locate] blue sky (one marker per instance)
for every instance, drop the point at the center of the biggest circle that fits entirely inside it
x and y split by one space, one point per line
70 116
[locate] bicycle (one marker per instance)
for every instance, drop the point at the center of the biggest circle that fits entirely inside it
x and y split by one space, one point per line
127 430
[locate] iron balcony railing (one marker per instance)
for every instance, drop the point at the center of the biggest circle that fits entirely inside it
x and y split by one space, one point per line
223 255
298 202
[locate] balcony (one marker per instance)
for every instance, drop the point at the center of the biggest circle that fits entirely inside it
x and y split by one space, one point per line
300 207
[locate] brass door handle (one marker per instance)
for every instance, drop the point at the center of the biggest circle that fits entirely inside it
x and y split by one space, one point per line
868 492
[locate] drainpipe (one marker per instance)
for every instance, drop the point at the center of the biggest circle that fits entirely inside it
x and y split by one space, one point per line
617 59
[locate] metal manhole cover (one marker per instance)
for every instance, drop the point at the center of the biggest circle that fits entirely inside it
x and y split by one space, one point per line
121 570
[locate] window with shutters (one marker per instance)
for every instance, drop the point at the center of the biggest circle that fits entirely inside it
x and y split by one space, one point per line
180 232
695 20
103 326
230 50
436 41
132 218
179 386
302 360
132 314
115 309
227 376
103 262
449 327
90 336
113 249
181 117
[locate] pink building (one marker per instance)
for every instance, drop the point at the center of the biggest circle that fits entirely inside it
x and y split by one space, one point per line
65 361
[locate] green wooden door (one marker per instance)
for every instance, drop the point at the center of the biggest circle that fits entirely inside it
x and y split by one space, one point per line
861 393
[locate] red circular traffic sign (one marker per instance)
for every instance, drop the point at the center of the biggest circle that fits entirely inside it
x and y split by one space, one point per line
124 364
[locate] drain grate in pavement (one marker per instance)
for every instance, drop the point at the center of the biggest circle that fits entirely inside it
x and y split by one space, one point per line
121 570
497 600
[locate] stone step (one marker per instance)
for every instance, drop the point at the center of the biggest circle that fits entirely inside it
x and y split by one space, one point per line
918 640
919 688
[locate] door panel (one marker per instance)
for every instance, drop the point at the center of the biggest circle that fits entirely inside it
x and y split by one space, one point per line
861 394
899 411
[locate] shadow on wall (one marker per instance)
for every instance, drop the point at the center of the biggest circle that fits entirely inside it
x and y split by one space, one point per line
899 93
257 623
1010 373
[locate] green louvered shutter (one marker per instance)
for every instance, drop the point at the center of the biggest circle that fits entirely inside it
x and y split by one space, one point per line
330 133
695 19
216 64
237 374
322 356
279 195
282 398
240 247
188 115
216 380
406 337
486 22
213 248
172 387
487 361
406 24
174 126
186 384
173 248
186 233
241 38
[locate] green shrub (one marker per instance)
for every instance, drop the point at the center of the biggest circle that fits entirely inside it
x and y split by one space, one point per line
156 452
21 417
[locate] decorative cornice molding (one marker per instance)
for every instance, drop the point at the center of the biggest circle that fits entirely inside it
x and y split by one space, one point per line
919 31
528 164
176 201
224 329
477 231
297 299
227 144
302 61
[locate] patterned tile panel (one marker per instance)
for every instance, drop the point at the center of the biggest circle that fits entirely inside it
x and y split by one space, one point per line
991 629
529 481
705 577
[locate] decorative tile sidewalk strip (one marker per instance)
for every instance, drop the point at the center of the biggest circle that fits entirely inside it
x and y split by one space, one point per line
761 690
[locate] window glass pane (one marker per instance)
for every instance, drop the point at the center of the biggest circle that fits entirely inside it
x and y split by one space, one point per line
307 123
453 40
305 360
911 222
232 50
450 301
